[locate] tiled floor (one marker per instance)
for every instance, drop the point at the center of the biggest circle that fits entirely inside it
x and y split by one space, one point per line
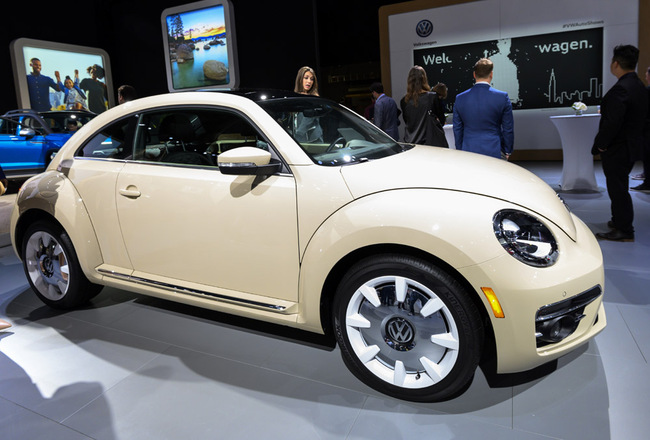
131 367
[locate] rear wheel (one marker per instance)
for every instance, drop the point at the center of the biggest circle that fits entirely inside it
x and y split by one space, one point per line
52 267
407 329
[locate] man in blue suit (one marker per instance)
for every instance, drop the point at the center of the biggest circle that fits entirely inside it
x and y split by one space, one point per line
386 111
483 116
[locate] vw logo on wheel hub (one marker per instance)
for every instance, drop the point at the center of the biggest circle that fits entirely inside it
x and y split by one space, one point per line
47 267
399 334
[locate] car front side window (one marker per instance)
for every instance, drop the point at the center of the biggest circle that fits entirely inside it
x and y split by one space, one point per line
330 134
7 126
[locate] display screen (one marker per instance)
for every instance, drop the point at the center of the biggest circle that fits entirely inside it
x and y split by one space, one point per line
537 71
56 76
200 46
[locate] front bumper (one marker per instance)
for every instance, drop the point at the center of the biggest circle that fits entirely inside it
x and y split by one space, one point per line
570 288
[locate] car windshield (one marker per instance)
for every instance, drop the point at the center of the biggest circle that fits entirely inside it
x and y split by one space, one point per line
330 134
65 122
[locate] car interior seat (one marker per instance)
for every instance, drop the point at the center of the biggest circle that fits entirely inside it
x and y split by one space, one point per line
176 130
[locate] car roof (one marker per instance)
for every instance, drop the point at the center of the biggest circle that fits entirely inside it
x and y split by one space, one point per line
34 113
21 112
258 95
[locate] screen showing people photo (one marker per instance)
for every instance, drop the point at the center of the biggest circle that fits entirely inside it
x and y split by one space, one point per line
55 76
200 46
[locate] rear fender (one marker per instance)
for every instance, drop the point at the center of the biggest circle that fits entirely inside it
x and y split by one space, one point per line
37 199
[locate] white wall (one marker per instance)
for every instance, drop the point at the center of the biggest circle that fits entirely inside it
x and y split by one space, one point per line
496 19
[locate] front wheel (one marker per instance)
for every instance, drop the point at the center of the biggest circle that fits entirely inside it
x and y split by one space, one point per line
52 267
407 329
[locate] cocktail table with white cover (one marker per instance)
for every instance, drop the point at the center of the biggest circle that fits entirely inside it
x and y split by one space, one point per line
577 133
449 134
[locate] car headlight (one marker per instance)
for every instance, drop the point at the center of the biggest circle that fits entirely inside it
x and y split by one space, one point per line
525 238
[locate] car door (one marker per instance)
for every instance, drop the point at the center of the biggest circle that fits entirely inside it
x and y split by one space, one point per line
20 153
94 174
185 224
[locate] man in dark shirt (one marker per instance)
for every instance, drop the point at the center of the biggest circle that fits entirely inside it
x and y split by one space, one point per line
39 87
386 114
619 140
645 186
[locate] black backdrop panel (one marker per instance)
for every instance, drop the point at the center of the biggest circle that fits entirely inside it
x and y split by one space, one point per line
538 71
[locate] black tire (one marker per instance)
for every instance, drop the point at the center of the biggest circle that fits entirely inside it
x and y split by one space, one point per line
389 309
52 267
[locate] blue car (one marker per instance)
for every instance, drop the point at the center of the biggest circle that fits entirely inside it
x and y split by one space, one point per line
30 139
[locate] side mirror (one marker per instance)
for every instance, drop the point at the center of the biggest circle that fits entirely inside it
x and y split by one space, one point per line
28 133
247 161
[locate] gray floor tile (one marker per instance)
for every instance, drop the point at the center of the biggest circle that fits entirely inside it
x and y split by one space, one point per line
479 403
616 341
56 364
18 423
627 286
638 321
186 394
628 385
570 403
384 419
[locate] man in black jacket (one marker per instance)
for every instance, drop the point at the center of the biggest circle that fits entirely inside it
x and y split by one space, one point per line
645 176
620 139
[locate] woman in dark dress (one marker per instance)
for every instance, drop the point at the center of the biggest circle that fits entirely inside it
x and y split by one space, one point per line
420 109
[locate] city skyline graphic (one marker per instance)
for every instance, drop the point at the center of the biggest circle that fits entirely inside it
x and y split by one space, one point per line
595 91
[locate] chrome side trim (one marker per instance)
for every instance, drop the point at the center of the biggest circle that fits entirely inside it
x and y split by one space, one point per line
188 291
112 273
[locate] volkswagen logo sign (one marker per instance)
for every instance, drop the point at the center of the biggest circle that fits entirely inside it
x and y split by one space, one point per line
424 28
399 334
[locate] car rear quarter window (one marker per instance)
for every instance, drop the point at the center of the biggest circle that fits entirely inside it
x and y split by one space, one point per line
112 142
193 136
183 136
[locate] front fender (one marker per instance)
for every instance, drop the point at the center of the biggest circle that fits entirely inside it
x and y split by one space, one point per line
455 227
37 199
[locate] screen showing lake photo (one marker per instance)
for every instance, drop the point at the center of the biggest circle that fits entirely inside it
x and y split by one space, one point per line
198 48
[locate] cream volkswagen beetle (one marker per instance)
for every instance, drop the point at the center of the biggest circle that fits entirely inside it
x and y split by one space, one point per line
294 210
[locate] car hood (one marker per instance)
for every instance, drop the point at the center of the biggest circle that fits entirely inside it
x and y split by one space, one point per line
445 169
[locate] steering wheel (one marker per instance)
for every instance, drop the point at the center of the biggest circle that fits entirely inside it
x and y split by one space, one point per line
331 146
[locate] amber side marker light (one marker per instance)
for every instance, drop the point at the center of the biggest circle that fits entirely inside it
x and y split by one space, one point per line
494 302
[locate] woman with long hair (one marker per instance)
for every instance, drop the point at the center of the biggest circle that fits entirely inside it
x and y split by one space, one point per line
306 82
422 111
307 128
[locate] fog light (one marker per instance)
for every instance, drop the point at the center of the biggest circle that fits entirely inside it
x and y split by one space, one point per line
557 329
